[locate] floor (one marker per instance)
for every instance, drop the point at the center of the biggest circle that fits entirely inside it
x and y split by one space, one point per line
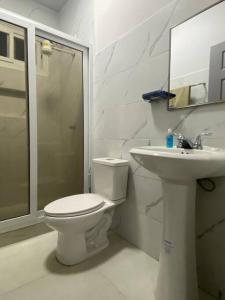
29 271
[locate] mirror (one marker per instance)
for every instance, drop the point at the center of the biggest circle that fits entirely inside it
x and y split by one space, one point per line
197 59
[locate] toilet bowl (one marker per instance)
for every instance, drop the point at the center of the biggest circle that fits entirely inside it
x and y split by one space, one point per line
82 221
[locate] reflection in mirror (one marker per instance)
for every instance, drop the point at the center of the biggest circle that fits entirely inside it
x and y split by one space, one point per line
197 59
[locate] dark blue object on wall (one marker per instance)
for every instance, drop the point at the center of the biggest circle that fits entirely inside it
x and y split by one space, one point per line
158 95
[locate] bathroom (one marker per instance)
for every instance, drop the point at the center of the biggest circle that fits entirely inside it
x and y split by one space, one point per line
73 96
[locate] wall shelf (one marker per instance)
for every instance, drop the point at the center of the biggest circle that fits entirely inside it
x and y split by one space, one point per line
157 95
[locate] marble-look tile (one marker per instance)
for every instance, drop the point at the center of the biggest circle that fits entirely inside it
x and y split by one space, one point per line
141 42
181 10
117 87
121 122
211 120
120 272
101 61
32 10
25 261
76 18
146 195
140 229
185 9
211 261
119 59
150 80
210 207
214 142
157 125
132 272
119 67
85 286
120 148
16 236
134 64
130 15
135 168
108 148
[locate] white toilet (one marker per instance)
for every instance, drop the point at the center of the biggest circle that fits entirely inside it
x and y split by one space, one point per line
82 221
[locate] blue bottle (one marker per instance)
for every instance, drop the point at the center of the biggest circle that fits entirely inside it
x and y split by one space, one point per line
169 139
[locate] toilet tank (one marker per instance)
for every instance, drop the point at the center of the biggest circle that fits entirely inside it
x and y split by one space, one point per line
110 177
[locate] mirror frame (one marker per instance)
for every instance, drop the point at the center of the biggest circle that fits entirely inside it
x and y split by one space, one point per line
170 39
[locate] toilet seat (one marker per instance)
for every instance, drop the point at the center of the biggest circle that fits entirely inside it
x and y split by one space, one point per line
75 205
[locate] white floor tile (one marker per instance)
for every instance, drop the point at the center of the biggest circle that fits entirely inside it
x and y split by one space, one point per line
132 271
81 286
25 261
29 271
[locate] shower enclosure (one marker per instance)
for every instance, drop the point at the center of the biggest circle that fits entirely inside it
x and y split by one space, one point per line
44 119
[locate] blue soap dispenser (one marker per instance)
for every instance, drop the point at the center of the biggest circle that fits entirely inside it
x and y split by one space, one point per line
169 139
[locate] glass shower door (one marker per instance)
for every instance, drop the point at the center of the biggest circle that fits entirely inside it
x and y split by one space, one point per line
44 119
60 121
14 129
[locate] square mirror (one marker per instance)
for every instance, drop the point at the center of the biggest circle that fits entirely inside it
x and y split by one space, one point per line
197 59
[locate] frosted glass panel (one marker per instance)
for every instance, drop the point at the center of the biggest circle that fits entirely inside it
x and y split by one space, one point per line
60 121
14 150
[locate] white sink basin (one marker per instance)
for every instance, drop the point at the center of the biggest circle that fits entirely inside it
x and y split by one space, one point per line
181 163
178 170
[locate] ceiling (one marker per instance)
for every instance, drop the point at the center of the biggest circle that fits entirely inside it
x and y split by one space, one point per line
53 4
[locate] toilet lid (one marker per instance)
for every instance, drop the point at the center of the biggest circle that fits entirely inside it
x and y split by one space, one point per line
75 205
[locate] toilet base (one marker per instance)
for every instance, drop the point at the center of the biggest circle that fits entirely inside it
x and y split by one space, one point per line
73 248
69 260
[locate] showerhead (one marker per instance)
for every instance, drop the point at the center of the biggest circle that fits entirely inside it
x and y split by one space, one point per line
47 47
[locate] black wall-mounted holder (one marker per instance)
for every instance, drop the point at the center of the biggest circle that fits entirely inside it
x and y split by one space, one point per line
157 95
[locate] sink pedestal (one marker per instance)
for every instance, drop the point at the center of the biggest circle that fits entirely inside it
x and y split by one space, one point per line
178 169
177 279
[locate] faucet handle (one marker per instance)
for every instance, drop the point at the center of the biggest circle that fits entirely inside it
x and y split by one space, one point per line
198 140
179 135
180 139
205 133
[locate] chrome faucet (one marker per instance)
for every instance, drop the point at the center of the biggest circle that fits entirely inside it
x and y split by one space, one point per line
198 141
188 144
183 142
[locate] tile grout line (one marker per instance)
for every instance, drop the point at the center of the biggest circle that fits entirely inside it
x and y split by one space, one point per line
112 283
23 285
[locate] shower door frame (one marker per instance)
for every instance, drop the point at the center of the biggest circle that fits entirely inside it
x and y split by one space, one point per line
33 28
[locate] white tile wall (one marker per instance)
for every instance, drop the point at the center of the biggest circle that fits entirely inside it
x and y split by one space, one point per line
137 62
77 19
32 10
133 58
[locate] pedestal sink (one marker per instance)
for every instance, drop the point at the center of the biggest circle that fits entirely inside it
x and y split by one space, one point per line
178 170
